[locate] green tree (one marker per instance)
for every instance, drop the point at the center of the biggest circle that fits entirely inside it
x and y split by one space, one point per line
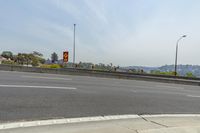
39 57
54 57
35 62
41 60
23 58
36 53
20 59
7 54
27 58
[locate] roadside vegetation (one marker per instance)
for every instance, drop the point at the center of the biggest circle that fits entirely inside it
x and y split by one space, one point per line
163 73
28 59
190 75
50 66
36 59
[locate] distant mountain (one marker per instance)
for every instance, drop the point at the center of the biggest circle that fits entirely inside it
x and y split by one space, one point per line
181 69
146 69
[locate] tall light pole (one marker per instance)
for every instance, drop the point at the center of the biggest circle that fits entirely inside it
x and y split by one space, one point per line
176 59
74 45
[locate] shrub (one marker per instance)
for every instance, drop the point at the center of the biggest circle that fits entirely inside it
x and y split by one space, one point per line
8 62
55 66
50 66
163 73
190 74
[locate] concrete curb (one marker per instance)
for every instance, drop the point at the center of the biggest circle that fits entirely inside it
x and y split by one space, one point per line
86 119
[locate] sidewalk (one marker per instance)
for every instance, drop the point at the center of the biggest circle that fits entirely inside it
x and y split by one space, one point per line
136 124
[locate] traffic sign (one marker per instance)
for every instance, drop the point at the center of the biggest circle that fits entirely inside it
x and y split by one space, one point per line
65 56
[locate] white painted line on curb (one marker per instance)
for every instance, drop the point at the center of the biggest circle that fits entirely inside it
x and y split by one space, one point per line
170 115
46 87
86 119
64 121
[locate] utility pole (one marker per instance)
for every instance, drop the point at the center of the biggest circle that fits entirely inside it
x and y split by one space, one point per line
74 46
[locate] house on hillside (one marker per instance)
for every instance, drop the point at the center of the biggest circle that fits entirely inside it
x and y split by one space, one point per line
2 59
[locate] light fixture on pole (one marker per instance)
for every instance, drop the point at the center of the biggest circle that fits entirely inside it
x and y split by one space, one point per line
176 59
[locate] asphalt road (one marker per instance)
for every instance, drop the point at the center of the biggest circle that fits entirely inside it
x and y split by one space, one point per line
31 96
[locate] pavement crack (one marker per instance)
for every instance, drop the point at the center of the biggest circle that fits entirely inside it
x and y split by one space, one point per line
136 131
143 118
159 124
153 122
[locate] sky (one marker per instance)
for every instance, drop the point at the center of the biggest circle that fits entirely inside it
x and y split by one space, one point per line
121 32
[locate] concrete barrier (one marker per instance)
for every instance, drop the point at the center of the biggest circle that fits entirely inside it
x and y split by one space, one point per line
107 74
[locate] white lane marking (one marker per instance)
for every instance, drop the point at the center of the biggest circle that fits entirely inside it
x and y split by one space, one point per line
39 77
46 87
159 86
170 87
157 92
144 87
194 96
134 91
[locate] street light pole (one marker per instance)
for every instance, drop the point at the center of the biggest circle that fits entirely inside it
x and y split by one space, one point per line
74 45
176 59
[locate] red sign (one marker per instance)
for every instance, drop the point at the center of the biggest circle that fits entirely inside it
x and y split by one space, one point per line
65 56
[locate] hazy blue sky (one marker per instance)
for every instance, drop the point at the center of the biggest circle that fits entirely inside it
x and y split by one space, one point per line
124 32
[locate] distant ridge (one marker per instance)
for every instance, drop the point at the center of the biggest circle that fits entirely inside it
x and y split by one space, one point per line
182 69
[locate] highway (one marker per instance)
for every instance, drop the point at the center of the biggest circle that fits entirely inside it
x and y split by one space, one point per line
33 96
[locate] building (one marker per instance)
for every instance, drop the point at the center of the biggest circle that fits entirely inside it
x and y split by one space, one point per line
2 59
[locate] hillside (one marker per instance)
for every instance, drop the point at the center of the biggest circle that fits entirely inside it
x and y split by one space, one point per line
182 69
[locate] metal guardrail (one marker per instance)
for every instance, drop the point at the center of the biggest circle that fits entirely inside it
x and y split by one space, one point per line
99 73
